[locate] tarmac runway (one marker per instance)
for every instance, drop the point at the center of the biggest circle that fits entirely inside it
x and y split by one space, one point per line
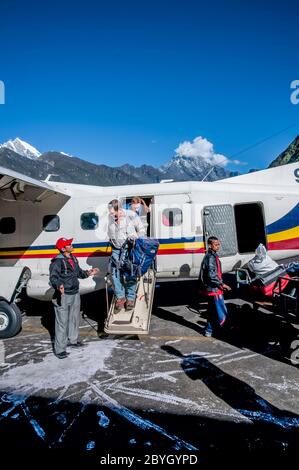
171 393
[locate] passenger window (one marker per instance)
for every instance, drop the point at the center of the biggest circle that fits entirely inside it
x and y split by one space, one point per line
51 223
89 221
7 225
172 217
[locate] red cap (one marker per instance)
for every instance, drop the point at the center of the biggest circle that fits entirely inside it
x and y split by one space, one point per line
63 242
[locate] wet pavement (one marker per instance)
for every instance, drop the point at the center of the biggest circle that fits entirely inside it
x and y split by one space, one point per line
173 392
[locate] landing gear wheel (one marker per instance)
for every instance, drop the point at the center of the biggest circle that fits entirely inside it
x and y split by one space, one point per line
10 320
294 357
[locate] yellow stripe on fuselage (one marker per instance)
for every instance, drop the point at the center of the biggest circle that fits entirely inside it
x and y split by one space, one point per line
284 235
29 252
187 245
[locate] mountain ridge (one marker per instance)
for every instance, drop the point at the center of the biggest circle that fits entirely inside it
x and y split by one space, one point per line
20 156
289 155
71 169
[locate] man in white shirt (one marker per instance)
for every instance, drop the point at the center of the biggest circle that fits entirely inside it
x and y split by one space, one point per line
123 224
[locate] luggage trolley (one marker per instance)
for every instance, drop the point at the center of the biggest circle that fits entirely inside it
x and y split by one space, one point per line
261 285
136 321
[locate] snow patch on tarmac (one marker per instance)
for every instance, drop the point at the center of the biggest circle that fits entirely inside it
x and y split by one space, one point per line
52 373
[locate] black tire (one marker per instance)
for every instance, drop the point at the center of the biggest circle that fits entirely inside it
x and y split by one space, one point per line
294 357
10 320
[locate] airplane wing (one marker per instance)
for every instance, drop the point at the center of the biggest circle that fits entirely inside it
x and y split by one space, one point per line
18 187
284 175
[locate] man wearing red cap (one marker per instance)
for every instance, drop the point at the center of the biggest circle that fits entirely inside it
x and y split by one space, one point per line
64 274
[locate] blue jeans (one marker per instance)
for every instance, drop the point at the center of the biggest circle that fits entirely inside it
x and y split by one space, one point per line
217 313
124 286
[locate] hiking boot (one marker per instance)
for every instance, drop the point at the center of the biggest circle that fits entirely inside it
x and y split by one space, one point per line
119 305
62 355
207 334
79 344
130 304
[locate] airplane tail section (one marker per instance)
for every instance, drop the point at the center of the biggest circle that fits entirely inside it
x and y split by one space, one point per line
285 175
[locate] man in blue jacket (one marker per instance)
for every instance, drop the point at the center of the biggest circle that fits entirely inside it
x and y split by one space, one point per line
64 274
212 287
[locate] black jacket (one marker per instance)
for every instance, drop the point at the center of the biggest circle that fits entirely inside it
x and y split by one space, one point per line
209 280
62 273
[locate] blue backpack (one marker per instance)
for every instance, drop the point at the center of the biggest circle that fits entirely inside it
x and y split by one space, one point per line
138 256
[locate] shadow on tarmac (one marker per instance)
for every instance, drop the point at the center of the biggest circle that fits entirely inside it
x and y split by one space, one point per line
236 393
37 428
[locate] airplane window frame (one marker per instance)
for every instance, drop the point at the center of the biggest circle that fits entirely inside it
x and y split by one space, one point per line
13 220
93 214
55 218
167 217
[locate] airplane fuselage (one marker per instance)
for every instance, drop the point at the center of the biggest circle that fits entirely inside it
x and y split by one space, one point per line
182 217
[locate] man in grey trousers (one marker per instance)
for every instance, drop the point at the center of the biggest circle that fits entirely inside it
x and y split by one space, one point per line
64 274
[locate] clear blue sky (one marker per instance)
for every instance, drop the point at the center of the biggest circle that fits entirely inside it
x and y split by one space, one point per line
128 81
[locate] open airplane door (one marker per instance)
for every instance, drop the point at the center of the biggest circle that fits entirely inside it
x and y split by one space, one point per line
23 203
136 321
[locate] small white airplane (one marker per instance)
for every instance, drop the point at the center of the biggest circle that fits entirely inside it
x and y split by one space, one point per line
261 207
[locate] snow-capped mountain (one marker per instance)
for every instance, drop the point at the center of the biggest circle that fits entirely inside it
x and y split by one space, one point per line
75 170
22 148
182 168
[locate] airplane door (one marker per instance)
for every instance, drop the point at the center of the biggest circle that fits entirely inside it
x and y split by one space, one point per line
219 221
171 215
